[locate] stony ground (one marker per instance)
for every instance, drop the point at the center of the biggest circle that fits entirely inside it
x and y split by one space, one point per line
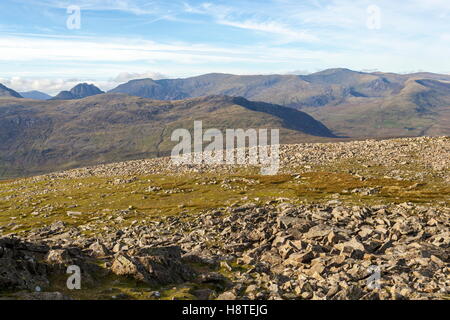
320 229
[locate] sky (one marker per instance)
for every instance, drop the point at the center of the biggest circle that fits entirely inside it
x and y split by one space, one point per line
51 45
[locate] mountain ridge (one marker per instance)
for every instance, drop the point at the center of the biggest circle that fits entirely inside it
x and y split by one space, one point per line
7 92
351 103
44 136
188 87
336 97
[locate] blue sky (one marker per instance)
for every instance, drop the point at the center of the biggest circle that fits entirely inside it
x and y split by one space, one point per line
119 40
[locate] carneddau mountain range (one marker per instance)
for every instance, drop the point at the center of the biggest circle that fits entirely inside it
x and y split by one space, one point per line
86 126
354 104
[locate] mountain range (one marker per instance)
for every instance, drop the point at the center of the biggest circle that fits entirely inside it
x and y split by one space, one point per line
351 103
331 86
44 136
86 126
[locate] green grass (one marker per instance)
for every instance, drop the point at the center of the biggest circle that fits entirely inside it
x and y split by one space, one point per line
103 202
100 200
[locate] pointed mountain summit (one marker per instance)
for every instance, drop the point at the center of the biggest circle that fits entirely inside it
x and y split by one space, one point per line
80 91
7 92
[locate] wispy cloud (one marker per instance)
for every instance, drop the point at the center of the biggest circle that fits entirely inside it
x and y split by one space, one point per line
243 19
127 76
273 27
118 49
188 37
134 7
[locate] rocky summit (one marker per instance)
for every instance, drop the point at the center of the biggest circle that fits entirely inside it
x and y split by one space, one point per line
80 91
354 220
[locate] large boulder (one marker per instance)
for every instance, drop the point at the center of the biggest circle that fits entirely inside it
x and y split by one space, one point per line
155 266
19 270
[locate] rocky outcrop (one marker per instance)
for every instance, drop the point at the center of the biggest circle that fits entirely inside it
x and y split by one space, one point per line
20 267
80 91
288 252
155 266
397 158
272 248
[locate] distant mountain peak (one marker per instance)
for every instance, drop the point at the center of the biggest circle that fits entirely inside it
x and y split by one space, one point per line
336 70
80 91
7 92
143 79
36 95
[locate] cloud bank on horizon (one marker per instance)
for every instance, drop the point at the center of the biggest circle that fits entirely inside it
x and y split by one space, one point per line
45 45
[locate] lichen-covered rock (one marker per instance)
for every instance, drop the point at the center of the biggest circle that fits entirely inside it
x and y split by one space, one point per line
161 268
58 256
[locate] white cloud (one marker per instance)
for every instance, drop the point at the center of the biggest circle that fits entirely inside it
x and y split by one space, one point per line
272 27
279 35
127 76
111 50
241 17
134 7
49 86
53 86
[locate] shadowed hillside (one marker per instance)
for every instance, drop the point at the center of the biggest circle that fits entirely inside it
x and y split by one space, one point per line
40 136
7 92
355 104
